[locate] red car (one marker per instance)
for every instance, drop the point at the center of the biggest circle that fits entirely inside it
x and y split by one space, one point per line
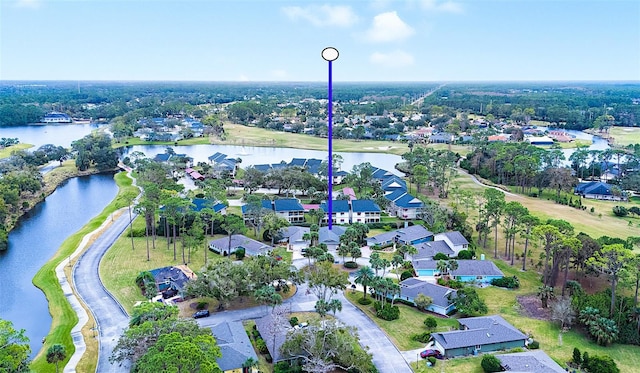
428 353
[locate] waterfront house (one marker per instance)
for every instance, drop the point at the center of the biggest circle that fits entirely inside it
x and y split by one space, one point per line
478 334
235 347
251 247
441 295
56 117
290 209
478 271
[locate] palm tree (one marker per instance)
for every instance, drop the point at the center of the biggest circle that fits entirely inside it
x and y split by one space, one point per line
56 354
364 277
452 265
545 293
397 261
442 267
343 250
249 364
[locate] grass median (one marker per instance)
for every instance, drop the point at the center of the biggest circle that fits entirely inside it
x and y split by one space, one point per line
63 316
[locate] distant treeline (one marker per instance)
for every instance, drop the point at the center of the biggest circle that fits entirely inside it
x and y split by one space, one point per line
569 105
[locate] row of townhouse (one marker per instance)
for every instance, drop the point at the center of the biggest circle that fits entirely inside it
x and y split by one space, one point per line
343 211
401 204
352 211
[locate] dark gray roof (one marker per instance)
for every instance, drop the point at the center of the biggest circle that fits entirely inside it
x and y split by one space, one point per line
428 250
492 329
251 246
412 286
265 326
293 234
412 233
465 267
234 345
331 236
456 238
535 361
382 237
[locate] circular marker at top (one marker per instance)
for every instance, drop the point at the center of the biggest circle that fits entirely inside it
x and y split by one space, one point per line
330 54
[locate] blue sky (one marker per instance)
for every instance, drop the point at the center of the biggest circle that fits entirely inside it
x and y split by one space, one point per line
265 40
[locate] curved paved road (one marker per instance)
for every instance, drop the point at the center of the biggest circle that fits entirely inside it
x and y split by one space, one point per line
108 313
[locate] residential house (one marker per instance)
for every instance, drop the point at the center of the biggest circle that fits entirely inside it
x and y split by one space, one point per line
274 335
201 203
427 250
364 211
171 280
350 193
499 138
286 208
293 237
403 205
225 247
235 347
542 140
478 271
599 190
290 209
532 361
380 175
222 164
478 334
441 295
331 238
410 235
394 182
441 138
454 239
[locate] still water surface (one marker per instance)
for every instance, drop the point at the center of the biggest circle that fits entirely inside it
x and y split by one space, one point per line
58 134
35 239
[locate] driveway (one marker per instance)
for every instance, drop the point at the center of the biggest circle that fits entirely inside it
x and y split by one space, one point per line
110 317
386 356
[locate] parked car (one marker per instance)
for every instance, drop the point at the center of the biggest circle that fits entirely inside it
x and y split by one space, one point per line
428 353
200 314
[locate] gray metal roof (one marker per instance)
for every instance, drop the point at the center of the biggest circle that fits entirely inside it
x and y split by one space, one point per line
465 267
265 326
494 330
251 246
412 233
535 361
456 238
428 250
412 286
234 345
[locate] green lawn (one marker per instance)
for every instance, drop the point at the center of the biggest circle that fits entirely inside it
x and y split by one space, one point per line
5 152
625 135
64 318
121 264
410 322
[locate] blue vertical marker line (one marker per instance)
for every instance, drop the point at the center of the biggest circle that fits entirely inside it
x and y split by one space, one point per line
330 54
330 161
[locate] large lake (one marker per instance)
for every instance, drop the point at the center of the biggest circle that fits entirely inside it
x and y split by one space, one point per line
35 239
57 134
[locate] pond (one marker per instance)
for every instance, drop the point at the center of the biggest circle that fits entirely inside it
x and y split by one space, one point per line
57 134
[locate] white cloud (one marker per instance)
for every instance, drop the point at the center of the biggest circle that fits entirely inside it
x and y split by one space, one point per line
243 78
32 4
442 6
388 27
396 58
322 15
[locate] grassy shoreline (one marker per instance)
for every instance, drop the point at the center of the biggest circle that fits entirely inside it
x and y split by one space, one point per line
64 318
6 152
